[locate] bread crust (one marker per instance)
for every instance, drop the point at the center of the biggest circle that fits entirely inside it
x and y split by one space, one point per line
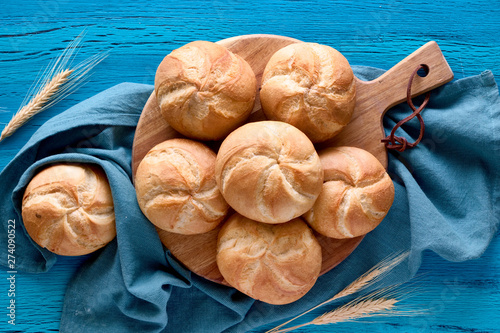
269 171
356 196
276 264
68 209
310 86
176 188
205 91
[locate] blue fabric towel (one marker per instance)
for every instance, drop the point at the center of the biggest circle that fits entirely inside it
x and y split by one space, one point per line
447 200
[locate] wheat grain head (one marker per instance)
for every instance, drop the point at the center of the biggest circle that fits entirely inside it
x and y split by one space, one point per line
373 275
55 83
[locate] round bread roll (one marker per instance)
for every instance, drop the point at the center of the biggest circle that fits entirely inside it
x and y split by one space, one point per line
310 86
68 209
269 171
357 194
276 264
205 91
176 188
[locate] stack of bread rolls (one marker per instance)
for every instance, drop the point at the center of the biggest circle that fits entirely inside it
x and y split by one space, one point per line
266 185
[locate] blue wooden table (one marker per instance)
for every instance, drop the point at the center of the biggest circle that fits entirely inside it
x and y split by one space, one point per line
464 297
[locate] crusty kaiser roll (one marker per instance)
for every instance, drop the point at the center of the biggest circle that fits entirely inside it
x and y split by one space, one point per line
276 264
310 86
357 194
269 171
176 189
205 91
69 210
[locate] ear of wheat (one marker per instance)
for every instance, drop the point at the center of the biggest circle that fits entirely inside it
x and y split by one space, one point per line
351 312
376 304
375 274
56 82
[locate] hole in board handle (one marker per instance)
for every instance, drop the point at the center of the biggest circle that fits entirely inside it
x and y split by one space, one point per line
423 71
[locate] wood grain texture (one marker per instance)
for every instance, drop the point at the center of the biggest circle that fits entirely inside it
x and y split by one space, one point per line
465 297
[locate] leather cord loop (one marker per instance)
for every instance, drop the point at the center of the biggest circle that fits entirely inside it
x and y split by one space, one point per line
400 143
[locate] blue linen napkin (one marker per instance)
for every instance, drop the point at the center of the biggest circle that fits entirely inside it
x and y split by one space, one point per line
446 200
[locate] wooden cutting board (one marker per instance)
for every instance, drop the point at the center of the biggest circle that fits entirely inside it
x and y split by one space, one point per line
373 99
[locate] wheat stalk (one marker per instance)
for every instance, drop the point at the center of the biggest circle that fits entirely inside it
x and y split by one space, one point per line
376 273
379 303
351 312
36 104
363 309
55 83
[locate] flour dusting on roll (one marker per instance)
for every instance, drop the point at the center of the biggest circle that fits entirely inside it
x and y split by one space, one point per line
356 196
204 90
310 86
176 188
68 209
269 171
274 263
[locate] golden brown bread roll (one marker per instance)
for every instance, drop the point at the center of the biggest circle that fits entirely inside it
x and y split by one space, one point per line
176 188
357 194
269 171
274 263
205 91
69 210
310 86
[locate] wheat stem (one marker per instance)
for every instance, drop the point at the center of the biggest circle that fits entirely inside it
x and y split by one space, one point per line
381 302
56 82
373 275
353 311
36 105
363 309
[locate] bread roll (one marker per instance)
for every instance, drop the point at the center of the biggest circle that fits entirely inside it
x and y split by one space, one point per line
310 86
357 194
176 189
69 210
277 264
205 91
269 171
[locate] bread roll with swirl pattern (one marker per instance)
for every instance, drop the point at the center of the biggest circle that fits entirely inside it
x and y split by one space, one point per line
176 188
277 264
310 86
356 196
205 91
69 209
269 171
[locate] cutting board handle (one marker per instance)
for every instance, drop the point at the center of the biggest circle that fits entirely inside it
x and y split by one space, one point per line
390 88
374 98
